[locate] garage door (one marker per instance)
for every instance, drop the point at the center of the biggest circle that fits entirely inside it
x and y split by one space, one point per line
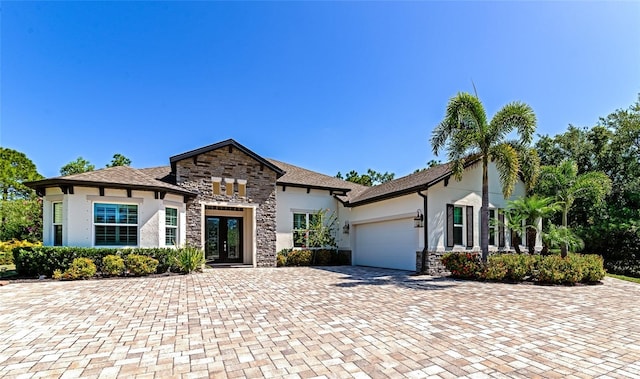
389 244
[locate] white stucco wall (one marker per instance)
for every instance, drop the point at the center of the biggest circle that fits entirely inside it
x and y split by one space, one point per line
297 200
78 229
466 192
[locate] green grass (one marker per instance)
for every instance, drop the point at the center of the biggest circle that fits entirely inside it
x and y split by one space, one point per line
7 271
627 278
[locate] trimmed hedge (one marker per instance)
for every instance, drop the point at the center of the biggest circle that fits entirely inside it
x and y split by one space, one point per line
44 260
319 257
552 269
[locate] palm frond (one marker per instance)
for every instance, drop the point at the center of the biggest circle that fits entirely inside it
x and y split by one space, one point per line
513 116
464 118
506 160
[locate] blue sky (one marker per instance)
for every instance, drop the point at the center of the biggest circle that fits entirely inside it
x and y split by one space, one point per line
329 86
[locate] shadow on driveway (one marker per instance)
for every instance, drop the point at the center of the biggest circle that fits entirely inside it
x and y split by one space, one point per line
372 276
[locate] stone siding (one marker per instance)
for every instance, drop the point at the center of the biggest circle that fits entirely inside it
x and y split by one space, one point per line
195 175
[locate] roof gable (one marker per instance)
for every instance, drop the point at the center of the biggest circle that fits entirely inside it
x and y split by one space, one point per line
295 176
230 143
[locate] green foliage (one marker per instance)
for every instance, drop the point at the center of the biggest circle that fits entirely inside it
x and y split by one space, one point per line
566 185
80 268
43 260
190 259
299 258
140 265
321 230
557 236
468 135
112 265
78 166
6 249
21 219
462 265
15 170
552 269
119 160
281 259
371 178
530 209
322 257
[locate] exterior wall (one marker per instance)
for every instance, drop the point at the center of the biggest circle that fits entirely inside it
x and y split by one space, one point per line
467 192
196 175
77 215
296 200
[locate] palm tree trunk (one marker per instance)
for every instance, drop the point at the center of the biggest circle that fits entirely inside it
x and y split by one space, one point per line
564 248
531 238
515 241
484 212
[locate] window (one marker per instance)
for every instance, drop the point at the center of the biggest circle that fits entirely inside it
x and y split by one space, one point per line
493 227
301 222
171 226
57 224
459 230
458 226
115 224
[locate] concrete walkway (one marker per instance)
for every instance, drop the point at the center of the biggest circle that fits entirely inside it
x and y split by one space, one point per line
307 322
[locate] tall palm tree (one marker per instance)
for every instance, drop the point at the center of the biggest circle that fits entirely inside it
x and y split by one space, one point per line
531 209
566 185
466 133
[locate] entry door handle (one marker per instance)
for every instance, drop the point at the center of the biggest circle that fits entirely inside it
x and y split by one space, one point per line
225 246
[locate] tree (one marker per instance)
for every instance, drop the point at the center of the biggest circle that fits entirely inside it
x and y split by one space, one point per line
119 160
431 163
21 219
371 178
566 185
78 166
532 209
15 169
468 135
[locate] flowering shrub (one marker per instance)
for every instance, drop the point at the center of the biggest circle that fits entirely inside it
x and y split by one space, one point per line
81 268
551 269
112 265
462 265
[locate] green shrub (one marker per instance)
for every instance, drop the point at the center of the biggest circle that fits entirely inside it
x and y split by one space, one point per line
140 265
340 258
281 259
593 268
322 257
299 258
549 270
166 257
6 258
462 265
112 265
81 268
495 269
518 266
190 258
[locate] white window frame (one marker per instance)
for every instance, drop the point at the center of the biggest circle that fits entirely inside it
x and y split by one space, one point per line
494 228
55 224
305 230
94 223
463 225
175 227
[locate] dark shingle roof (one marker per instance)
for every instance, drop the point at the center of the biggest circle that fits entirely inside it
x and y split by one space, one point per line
117 177
401 186
300 177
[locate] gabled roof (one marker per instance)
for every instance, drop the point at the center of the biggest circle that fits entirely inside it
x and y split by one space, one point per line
420 180
300 177
228 143
123 177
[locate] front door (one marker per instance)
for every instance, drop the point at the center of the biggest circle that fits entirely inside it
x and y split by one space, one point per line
223 243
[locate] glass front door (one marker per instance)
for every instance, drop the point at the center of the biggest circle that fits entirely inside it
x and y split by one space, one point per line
223 242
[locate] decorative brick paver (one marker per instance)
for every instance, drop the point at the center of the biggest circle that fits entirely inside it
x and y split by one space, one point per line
325 323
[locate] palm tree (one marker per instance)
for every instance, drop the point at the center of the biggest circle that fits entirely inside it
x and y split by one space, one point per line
531 209
566 185
467 134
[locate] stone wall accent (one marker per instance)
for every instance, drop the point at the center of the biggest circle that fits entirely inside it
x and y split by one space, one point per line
195 175
434 260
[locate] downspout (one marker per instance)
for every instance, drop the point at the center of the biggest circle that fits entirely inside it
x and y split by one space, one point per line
425 209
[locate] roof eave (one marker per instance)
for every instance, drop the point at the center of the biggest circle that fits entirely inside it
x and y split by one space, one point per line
48 183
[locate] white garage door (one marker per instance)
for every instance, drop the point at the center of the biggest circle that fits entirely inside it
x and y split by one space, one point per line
389 244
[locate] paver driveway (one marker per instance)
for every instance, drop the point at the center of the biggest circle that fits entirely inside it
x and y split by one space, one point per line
306 322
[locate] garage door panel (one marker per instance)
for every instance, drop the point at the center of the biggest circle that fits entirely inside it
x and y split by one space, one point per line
389 244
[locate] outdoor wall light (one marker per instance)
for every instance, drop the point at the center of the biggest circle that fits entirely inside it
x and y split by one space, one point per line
418 221
345 228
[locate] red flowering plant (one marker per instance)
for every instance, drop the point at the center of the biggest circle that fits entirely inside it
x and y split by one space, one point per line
463 264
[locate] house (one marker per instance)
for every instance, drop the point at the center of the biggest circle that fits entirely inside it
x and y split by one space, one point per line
243 208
